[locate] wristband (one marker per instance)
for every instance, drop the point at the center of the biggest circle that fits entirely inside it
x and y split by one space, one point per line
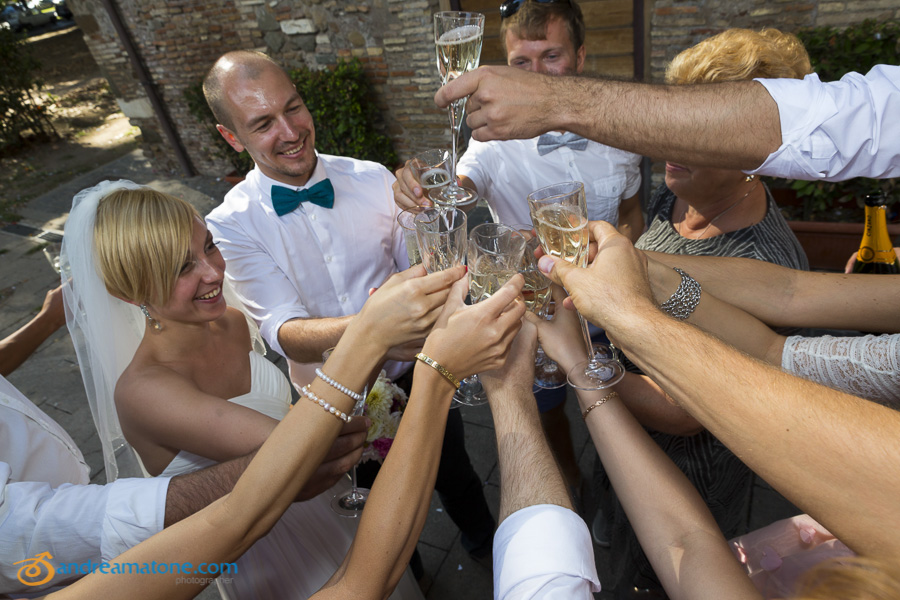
439 368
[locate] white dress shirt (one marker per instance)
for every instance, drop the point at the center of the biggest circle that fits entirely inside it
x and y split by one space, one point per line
505 172
313 262
544 551
837 130
42 511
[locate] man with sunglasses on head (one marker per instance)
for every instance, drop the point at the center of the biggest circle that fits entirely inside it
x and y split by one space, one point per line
546 36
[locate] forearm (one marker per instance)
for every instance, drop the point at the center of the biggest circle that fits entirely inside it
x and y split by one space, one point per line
727 322
787 297
191 492
15 348
398 503
651 407
692 124
760 412
304 340
675 528
529 474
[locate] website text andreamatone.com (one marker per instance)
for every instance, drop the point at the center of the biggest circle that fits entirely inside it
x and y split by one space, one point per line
153 567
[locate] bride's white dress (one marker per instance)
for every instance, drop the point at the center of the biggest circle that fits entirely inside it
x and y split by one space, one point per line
309 542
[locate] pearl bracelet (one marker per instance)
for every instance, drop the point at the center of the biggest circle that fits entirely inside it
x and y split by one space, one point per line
341 388
328 408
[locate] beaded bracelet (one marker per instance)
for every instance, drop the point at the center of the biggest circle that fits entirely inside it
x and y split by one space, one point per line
341 388
328 408
685 299
599 402
439 368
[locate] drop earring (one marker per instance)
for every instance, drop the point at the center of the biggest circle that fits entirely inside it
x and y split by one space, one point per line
153 322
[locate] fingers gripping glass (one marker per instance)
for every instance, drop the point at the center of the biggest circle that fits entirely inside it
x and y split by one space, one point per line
559 215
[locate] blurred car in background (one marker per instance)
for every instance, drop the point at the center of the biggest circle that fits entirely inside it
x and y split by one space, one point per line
20 16
62 9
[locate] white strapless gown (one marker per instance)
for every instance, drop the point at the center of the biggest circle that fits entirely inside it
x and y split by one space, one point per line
306 546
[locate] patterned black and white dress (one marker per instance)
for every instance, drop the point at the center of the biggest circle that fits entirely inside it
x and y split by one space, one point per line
722 479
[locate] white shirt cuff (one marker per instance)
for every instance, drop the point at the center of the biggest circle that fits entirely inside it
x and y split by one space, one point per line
544 551
135 511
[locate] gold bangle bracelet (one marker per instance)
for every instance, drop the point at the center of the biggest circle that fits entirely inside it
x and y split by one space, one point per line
599 402
439 368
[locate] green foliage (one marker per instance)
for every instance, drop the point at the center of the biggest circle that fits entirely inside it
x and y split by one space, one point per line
834 53
341 104
20 111
199 108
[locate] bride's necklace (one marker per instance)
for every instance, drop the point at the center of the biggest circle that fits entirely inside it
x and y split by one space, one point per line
718 216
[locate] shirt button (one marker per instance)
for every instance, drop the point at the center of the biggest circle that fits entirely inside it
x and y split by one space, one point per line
328 258
344 298
312 217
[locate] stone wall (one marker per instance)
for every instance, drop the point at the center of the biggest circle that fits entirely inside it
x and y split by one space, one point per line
178 40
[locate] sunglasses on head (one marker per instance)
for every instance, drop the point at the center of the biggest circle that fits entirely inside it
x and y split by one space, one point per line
511 7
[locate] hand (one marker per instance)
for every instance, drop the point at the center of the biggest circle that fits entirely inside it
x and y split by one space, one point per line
505 103
470 339
517 373
53 309
344 453
560 337
406 352
615 284
404 309
407 191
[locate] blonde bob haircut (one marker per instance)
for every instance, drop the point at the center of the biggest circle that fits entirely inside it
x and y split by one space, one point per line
141 239
741 55
851 578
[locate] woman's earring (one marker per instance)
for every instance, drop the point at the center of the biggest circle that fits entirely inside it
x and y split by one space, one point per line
749 178
153 322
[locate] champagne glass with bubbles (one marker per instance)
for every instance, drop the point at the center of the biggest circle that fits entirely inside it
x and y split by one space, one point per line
494 255
559 215
441 236
457 39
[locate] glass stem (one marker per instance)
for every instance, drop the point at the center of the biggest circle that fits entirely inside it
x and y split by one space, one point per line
457 110
353 481
587 337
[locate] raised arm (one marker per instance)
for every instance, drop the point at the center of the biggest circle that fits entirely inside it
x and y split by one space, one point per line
781 296
793 433
728 125
18 346
465 340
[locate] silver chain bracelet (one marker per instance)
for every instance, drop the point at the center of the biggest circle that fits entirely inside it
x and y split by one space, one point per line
685 299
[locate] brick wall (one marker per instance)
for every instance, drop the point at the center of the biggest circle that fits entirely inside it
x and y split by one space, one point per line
179 40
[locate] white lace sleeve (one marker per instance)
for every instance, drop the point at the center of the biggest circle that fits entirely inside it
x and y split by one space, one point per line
868 366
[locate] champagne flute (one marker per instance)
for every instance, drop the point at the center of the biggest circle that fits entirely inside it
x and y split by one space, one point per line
494 255
431 169
350 504
441 236
536 292
559 215
406 220
457 40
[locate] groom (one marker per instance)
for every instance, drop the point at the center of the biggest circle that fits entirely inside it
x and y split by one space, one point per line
306 236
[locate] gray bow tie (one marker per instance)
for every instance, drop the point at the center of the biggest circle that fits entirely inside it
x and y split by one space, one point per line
549 142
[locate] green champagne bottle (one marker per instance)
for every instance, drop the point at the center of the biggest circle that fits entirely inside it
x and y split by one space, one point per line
876 254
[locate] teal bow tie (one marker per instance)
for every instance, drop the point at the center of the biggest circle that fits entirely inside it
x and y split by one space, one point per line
285 200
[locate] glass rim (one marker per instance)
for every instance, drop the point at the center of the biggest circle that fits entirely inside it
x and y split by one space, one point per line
511 231
458 14
438 213
576 186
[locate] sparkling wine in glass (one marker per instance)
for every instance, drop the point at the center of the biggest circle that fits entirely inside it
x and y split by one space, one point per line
457 41
441 236
536 292
431 169
350 504
406 219
494 255
559 215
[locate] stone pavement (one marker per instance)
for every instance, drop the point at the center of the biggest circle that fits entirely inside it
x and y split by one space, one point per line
51 379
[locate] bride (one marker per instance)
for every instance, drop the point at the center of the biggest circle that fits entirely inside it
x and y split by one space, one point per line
169 369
